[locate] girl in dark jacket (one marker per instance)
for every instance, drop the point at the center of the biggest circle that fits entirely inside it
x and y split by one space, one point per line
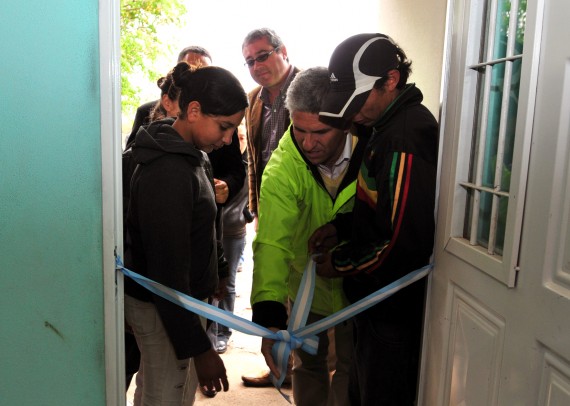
171 233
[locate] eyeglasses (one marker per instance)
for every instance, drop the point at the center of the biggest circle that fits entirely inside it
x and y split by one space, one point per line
261 58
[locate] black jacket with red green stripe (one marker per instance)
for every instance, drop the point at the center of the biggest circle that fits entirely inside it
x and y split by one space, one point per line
390 231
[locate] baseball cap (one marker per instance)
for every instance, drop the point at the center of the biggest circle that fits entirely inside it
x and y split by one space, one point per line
355 66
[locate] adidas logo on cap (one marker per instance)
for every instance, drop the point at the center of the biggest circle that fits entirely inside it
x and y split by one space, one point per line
333 78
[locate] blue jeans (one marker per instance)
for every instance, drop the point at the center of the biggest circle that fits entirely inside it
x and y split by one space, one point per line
233 250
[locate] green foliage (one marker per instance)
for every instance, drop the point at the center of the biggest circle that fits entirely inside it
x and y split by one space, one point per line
140 44
521 23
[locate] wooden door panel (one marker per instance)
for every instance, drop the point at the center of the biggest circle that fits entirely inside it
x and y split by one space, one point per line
555 381
475 351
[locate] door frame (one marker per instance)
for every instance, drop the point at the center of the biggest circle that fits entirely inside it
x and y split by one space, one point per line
111 147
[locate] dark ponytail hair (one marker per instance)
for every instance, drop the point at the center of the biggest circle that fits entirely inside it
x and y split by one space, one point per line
217 90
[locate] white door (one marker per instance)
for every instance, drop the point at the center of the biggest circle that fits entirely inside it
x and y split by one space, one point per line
498 323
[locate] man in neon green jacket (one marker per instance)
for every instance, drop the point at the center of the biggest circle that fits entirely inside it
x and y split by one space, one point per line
310 178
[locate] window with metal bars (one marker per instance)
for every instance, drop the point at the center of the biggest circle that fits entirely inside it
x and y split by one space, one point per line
493 134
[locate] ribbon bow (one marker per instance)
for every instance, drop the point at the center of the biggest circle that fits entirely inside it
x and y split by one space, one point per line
298 334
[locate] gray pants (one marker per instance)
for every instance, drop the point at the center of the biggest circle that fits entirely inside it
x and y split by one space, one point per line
162 378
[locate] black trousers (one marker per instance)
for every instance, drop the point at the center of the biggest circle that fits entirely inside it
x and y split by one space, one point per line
385 367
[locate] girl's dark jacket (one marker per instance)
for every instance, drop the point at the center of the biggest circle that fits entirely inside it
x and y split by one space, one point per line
171 235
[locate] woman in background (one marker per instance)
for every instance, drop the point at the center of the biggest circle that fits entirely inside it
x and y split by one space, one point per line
167 105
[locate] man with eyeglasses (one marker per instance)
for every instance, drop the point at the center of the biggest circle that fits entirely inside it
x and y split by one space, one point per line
266 120
266 117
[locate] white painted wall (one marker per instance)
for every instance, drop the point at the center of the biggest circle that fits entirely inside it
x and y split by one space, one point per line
418 26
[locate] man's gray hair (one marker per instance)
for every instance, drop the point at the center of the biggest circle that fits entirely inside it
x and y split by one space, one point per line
307 90
267 33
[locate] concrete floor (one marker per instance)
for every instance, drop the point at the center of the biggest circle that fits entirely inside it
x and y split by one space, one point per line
243 356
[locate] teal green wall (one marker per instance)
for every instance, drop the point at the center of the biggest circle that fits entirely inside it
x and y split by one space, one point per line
51 288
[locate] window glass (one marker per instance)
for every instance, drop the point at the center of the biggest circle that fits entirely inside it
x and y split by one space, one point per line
496 107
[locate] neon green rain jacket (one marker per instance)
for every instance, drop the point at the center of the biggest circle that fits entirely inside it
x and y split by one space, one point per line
293 203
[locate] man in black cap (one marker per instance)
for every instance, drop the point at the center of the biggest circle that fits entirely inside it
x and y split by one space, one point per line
390 231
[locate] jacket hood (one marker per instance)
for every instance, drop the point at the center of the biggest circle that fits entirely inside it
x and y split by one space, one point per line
159 139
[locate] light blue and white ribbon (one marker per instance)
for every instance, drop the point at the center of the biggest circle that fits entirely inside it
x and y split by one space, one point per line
298 334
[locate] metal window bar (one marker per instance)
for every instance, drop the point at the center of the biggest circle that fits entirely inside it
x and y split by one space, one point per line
487 68
480 66
480 156
472 186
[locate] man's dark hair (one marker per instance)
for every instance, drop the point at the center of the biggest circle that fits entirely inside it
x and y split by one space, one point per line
194 49
404 67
